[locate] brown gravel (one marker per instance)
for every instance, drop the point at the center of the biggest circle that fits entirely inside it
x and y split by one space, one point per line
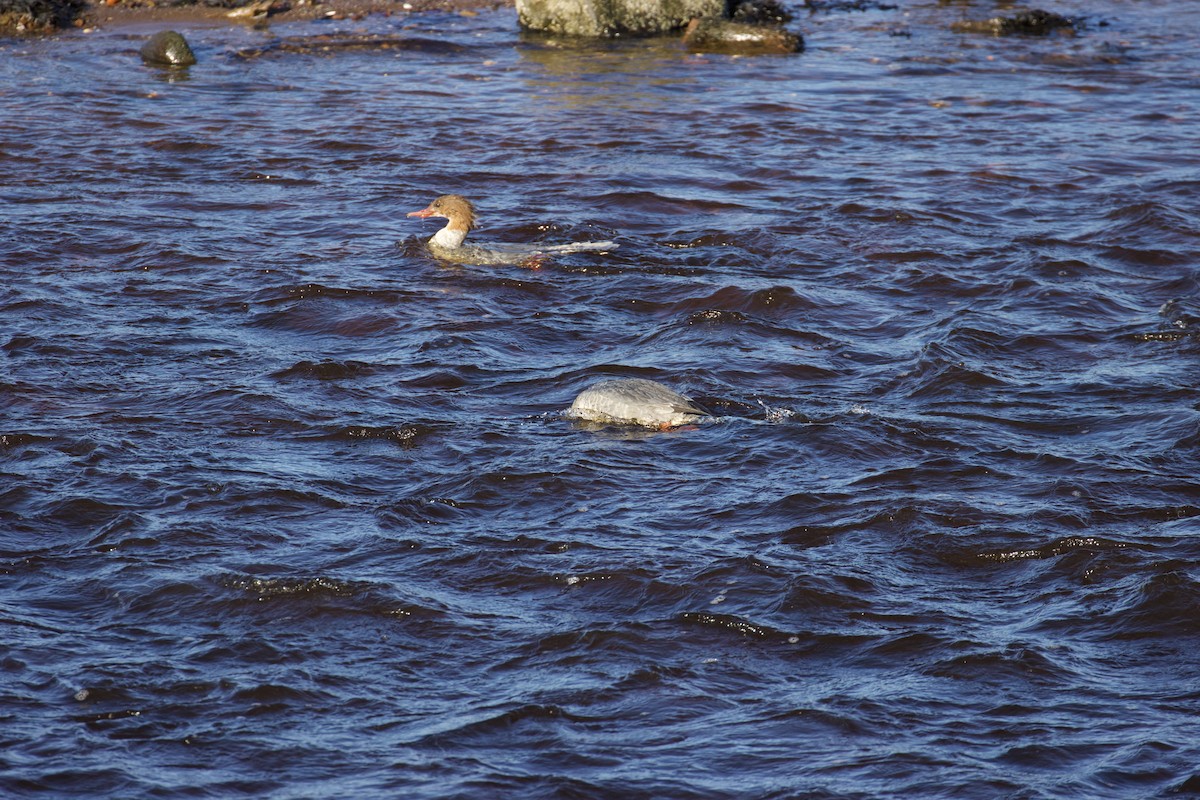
137 13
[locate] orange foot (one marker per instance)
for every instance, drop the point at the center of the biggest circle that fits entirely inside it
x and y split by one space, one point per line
534 262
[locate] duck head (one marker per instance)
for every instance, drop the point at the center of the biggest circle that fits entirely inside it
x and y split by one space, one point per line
453 207
460 215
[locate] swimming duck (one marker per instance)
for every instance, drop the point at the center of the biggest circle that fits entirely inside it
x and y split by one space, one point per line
448 243
635 401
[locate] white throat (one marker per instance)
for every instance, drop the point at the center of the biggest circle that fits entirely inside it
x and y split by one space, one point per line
448 239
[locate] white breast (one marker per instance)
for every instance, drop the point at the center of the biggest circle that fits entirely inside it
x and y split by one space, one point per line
448 239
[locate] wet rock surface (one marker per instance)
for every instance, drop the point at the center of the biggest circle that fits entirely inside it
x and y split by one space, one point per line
1033 22
759 12
720 35
334 43
745 27
167 49
608 18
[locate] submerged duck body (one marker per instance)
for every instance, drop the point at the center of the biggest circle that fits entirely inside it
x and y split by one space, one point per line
449 243
635 401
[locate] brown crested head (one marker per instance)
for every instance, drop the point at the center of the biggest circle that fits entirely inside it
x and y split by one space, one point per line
453 207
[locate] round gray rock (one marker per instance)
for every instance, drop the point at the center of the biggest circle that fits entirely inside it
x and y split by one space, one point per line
167 49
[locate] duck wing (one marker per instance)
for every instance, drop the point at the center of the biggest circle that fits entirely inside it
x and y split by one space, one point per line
576 247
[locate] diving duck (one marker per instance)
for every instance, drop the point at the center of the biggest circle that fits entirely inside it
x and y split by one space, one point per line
448 243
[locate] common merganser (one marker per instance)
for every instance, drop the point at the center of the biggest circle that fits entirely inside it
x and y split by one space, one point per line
447 244
635 401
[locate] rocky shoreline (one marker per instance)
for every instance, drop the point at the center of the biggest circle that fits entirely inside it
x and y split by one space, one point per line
25 17
734 27
744 26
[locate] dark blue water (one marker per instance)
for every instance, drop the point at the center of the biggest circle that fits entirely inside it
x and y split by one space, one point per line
288 509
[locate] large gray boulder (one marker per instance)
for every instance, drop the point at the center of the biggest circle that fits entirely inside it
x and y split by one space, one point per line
613 17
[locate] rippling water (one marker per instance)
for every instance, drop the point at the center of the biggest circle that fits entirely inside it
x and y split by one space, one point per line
288 509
